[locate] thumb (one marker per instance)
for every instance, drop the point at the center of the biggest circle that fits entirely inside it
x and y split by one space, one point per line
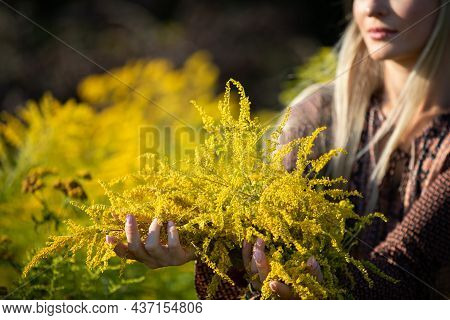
314 268
261 262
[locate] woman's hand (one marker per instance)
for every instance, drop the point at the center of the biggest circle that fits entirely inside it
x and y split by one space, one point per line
152 253
255 262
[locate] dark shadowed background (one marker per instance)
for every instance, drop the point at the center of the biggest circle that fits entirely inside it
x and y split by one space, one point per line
256 42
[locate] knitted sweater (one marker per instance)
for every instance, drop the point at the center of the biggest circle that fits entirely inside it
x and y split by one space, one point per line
414 246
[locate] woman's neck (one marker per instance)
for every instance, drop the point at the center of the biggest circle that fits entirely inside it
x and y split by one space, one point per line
438 101
396 74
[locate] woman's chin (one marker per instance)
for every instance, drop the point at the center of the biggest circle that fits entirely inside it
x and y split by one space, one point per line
378 57
380 54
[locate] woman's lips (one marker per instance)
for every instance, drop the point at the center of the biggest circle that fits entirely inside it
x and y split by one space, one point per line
381 33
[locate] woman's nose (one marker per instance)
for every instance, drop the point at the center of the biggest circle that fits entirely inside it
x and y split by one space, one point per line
377 8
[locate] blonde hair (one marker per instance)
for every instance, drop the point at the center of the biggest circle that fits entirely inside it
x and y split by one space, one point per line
357 78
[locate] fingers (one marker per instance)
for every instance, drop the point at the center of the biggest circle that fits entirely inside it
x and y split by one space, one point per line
153 243
314 268
135 245
190 253
246 255
256 263
132 232
173 241
178 254
153 253
120 249
282 290
261 262
285 292
111 240
249 263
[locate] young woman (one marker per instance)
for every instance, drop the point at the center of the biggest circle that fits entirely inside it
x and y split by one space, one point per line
389 107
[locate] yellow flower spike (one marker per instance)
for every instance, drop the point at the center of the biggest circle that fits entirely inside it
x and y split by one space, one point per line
233 189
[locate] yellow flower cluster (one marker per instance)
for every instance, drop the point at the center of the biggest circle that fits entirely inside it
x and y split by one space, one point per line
93 137
234 188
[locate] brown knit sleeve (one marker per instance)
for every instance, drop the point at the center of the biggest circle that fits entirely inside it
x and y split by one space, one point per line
307 115
416 248
225 291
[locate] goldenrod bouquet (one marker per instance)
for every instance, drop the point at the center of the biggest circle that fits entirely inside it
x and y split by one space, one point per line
235 187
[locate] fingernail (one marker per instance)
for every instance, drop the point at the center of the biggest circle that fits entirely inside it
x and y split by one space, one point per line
129 218
311 262
259 242
257 256
273 286
110 240
170 224
157 222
